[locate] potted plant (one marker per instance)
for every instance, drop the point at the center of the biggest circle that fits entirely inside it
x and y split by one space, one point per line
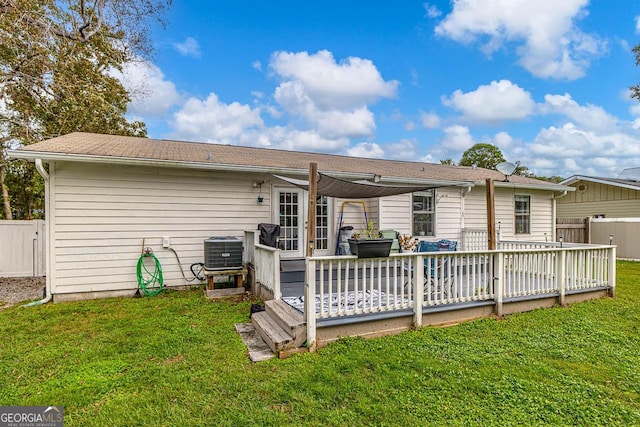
369 244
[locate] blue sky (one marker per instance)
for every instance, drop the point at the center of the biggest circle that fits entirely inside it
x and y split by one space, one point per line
546 81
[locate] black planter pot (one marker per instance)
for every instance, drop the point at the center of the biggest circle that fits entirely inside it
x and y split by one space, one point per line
378 248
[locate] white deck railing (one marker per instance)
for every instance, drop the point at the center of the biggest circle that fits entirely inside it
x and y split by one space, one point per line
474 239
267 262
348 286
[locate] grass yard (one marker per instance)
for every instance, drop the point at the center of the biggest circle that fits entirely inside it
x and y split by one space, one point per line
175 360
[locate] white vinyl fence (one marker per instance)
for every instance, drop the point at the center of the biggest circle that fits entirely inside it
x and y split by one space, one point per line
22 248
622 232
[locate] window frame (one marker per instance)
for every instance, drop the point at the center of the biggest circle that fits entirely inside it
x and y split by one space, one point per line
522 215
432 212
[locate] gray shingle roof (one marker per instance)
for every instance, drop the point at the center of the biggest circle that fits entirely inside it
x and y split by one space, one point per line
101 148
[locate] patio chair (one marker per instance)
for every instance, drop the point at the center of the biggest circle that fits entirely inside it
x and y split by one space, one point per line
392 234
437 273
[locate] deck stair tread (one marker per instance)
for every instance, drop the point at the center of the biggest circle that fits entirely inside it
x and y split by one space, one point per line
289 319
276 338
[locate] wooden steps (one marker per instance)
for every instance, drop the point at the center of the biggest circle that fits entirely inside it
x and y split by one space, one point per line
281 327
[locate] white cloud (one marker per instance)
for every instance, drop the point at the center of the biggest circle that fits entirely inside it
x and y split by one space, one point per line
189 47
549 43
427 158
429 120
288 139
432 10
415 77
457 138
405 149
498 101
368 150
409 126
211 120
331 98
334 123
257 65
637 19
568 149
588 116
351 83
503 140
635 110
151 94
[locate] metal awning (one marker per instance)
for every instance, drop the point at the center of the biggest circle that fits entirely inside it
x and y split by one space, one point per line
334 187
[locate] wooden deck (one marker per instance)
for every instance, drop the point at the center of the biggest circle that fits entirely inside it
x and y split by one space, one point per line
348 296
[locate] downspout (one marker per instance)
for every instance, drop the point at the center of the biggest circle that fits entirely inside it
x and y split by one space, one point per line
553 214
463 208
47 288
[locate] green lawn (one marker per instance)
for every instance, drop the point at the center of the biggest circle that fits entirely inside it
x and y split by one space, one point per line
175 360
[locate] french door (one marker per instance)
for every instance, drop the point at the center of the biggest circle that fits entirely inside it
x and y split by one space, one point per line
290 211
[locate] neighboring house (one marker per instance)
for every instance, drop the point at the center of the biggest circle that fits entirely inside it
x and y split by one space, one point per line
602 197
106 195
612 206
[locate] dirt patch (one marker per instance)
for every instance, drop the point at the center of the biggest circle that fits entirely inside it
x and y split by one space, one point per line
17 289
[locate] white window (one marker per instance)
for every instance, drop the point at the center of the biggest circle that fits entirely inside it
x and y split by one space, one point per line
424 213
523 214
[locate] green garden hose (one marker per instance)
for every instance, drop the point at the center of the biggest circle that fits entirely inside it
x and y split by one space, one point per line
149 282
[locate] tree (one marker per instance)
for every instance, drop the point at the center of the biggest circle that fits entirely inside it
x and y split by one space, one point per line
635 90
482 155
54 61
448 162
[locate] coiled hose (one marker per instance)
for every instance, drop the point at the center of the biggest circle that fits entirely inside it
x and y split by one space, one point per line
149 282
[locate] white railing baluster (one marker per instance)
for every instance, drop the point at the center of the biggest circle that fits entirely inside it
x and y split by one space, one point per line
398 282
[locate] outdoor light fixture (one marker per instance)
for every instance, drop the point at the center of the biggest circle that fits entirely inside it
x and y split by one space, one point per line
560 239
376 178
610 239
259 185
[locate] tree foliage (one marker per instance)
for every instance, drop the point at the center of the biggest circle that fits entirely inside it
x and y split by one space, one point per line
635 90
489 156
483 155
55 58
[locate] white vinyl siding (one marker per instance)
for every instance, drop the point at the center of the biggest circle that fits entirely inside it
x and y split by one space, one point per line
448 213
394 214
353 214
103 214
541 212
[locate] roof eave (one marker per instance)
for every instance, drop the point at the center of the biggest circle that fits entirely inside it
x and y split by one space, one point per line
576 178
531 186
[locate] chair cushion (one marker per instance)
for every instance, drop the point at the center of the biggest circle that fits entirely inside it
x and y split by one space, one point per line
428 246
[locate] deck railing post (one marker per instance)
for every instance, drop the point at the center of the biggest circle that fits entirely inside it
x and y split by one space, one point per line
498 278
418 290
612 271
561 276
310 303
277 293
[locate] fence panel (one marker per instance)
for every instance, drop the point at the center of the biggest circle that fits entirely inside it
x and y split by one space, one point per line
573 230
623 232
22 248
